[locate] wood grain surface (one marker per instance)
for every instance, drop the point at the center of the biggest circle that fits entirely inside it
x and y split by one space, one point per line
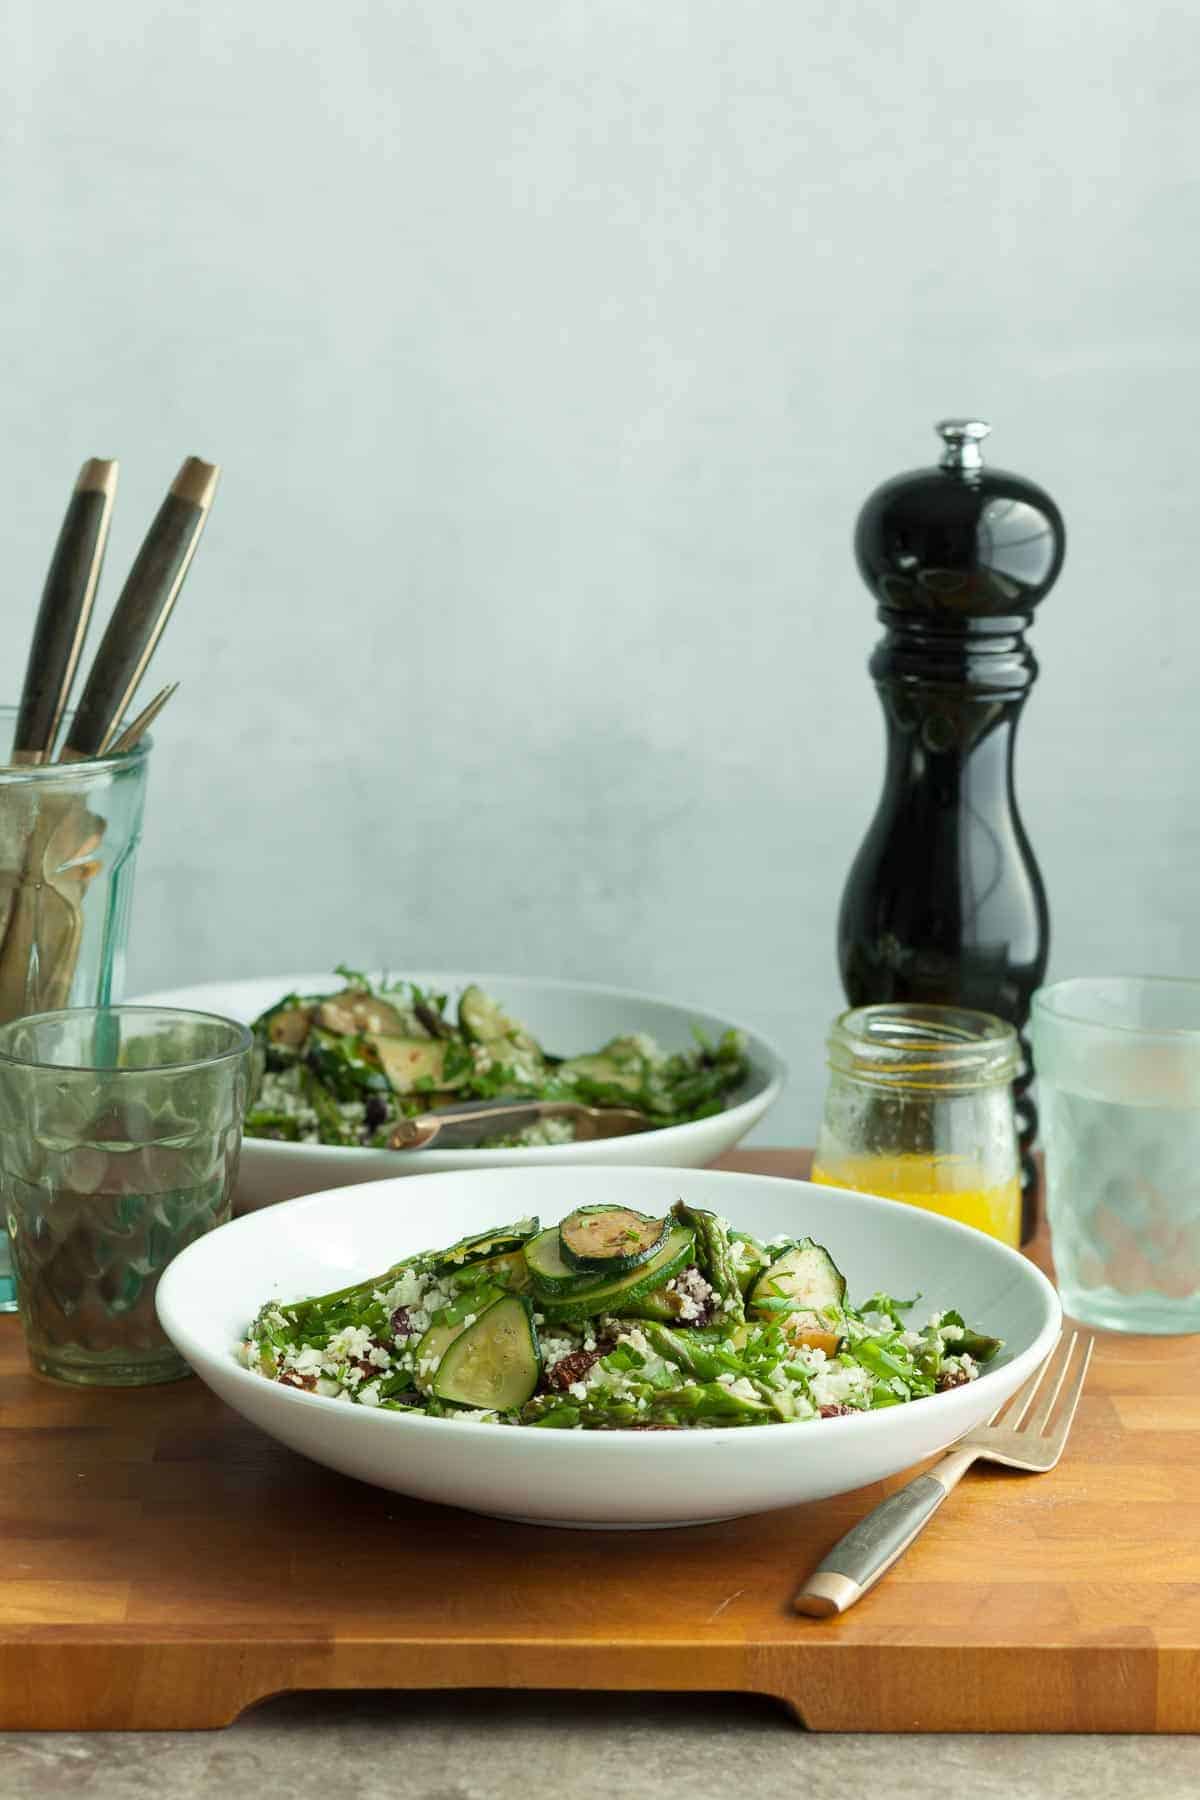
164 1565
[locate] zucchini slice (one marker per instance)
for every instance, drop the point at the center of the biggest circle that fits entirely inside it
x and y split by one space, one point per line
501 1240
493 1364
481 1018
287 1025
605 1240
552 1276
409 1061
749 1259
506 1271
601 1071
621 1293
810 1284
482 1021
354 1011
447 1325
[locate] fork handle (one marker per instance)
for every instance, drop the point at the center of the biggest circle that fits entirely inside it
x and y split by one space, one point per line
870 1548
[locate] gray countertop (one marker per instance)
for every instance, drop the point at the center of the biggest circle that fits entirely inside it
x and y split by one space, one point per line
574 1747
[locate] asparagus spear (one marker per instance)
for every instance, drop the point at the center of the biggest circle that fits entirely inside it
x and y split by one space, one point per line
974 1344
329 1113
717 1262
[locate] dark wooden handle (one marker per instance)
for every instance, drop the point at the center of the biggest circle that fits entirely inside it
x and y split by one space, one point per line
141 613
870 1548
64 613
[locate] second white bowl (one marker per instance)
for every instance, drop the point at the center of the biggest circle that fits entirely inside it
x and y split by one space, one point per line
567 1017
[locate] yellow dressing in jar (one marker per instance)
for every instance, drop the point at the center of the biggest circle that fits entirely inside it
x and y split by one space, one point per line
938 1184
919 1109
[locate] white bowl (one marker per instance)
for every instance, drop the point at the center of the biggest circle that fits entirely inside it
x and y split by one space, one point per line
210 1293
566 1017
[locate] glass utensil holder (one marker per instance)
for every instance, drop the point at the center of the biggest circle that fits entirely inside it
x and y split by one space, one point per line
69 834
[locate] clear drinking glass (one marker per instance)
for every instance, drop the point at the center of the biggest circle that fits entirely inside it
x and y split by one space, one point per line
1118 1068
919 1108
69 834
119 1137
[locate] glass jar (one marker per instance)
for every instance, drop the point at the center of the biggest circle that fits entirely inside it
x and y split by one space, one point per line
919 1108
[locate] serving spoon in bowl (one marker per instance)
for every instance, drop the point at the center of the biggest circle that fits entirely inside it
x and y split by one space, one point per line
467 1125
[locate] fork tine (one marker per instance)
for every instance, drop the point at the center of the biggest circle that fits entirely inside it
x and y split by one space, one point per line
1058 1436
1023 1399
1039 1416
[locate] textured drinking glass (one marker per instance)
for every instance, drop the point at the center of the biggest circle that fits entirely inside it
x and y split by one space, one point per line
1118 1066
68 838
119 1137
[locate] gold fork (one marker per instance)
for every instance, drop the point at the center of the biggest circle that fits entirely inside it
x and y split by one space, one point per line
471 1121
1025 1440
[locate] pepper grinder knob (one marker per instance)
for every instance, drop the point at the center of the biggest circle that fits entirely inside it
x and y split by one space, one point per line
962 438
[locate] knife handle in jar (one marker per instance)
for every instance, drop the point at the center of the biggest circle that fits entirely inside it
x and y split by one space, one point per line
142 611
65 611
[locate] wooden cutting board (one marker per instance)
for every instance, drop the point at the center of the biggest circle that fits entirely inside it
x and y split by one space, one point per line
164 1565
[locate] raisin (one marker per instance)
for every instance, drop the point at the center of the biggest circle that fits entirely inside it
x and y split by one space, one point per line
836 1412
375 1112
952 1378
571 1368
401 1323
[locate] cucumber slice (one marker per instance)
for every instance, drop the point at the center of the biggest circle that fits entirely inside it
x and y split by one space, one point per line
409 1061
604 1240
808 1279
622 1292
501 1240
495 1363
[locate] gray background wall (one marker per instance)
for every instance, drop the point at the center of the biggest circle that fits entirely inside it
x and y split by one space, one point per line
549 350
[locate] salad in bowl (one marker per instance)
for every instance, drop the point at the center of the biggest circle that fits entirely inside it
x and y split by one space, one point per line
614 1319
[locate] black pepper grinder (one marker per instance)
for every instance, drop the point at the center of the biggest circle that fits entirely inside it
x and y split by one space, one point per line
944 902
